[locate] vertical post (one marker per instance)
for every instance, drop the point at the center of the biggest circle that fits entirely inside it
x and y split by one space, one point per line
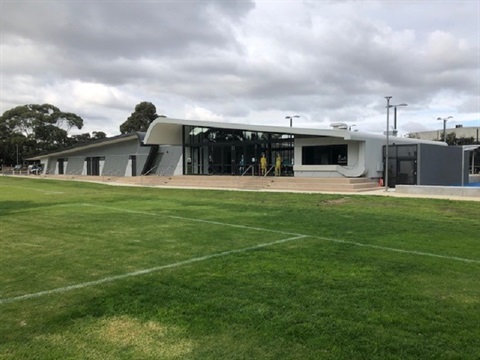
445 130
473 162
388 142
394 120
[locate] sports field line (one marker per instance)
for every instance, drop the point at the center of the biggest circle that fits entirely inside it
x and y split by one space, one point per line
194 220
386 248
48 192
145 271
340 241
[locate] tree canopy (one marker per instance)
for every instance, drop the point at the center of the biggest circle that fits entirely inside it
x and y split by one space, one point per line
32 129
453 140
140 119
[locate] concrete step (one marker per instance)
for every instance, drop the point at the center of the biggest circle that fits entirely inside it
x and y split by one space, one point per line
238 182
264 183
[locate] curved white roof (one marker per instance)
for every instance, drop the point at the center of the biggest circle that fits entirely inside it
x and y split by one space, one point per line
167 131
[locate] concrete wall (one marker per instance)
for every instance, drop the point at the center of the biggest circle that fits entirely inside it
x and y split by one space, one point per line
169 161
374 157
471 192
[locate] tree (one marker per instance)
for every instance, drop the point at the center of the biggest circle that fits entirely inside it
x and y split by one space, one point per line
140 119
33 129
452 139
97 135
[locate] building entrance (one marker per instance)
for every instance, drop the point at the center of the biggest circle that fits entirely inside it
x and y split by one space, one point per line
211 151
402 165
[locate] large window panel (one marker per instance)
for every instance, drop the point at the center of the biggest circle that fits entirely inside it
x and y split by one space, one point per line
325 155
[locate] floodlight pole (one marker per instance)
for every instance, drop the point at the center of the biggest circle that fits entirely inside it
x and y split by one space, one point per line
395 117
388 140
444 126
291 118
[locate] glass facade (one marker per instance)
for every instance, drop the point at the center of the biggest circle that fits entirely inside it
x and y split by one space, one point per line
215 151
402 164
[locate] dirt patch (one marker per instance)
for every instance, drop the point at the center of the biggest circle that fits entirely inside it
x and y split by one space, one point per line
336 201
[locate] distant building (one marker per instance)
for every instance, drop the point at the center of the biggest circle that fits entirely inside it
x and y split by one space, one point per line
459 130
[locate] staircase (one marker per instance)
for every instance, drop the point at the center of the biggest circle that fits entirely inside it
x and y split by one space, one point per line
251 183
257 183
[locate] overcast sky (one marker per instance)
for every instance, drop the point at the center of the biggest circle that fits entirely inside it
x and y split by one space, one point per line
245 61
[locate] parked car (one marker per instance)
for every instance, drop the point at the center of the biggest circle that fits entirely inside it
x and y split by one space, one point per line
35 169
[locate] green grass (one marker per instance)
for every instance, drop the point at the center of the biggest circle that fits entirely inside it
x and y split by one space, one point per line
337 288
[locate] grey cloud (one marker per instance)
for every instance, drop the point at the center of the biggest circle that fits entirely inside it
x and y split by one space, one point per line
123 29
332 60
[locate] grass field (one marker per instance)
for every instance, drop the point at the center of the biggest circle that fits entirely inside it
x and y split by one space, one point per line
90 271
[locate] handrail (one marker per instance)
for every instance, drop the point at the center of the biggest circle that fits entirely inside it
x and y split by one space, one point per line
149 171
273 167
166 168
248 168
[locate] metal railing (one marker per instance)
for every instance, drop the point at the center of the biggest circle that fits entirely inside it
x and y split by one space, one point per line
149 171
268 172
248 168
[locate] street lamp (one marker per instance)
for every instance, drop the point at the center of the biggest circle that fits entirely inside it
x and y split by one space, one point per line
291 118
395 117
445 126
386 148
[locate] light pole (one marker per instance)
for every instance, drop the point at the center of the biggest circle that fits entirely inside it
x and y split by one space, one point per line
291 118
386 148
445 126
395 117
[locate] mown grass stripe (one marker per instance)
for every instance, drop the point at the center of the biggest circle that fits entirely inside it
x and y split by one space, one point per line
144 272
340 241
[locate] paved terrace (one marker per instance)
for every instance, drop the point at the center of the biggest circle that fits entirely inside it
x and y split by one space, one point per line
282 184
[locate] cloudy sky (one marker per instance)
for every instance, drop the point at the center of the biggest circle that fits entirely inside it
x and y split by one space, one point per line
245 61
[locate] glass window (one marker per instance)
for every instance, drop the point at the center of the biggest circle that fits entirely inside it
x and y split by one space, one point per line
325 155
407 151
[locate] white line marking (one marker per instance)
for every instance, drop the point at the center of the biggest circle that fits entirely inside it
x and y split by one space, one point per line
47 192
197 220
372 246
207 257
21 244
412 252
143 272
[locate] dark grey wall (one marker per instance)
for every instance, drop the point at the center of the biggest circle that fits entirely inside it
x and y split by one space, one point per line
440 165
116 158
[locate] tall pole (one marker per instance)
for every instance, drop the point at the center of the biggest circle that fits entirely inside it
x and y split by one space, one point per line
395 120
395 117
445 129
444 126
388 141
291 118
17 155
